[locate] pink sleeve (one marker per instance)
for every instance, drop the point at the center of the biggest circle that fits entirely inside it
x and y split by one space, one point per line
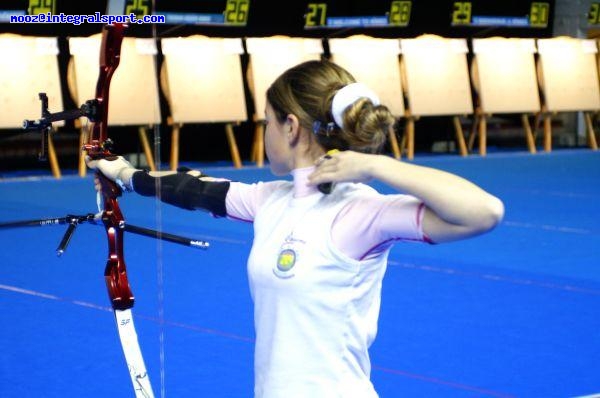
243 200
370 225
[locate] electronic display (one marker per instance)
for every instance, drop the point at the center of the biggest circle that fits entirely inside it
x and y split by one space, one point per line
357 14
518 14
312 18
205 12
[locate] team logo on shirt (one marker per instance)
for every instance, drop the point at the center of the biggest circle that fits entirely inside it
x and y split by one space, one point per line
287 258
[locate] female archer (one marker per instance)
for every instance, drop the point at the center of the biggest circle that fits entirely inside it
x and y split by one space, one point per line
320 252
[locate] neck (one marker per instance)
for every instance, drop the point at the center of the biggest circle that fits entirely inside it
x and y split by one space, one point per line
306 151
301 187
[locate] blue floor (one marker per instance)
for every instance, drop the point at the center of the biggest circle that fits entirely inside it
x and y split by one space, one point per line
515 313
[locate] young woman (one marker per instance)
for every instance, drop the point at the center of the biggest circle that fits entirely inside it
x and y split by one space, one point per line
322 240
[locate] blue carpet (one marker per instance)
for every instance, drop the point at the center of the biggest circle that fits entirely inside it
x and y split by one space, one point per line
513 313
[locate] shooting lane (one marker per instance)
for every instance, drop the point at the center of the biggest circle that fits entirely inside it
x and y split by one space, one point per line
436 81
202 79
30 56
361 55
504 81
268 58
134 90
568 76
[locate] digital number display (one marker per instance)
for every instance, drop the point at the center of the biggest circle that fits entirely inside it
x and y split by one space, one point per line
140 8
594 14
41 7
236 12
522 15
316 14
461 13
400 13
328 15
539 15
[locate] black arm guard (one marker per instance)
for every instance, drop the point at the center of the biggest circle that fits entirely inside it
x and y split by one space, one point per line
185 191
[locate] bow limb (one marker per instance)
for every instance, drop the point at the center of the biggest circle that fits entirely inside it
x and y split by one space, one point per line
115 273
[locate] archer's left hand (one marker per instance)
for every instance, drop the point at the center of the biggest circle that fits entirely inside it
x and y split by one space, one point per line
117 168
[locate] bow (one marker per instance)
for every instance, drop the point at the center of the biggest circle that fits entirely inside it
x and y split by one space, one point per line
98 146
115 273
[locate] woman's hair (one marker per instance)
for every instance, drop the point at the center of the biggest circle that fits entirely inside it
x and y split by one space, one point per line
307 90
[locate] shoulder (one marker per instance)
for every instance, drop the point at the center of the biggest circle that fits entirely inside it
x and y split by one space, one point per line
391 213
384 217
243 200
354 191
367 198
262 189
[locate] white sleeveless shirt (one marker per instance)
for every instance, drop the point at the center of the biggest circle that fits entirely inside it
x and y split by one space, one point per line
316 308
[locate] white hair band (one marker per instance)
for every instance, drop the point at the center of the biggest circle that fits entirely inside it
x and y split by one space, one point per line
348 95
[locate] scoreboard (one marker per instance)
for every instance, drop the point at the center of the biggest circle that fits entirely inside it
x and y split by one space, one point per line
232 13
386 18
335 15
445 14
525 14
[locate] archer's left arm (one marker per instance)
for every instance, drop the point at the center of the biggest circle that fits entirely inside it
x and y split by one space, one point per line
190 190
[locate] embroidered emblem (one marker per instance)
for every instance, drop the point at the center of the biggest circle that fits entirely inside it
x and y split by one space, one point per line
287 258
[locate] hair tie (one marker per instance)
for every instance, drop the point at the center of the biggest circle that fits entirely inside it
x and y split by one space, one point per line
348 95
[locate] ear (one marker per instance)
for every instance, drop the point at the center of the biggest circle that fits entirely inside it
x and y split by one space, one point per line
292 126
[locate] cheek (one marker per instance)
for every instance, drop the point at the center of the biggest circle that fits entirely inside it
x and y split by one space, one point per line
269 140
275 152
